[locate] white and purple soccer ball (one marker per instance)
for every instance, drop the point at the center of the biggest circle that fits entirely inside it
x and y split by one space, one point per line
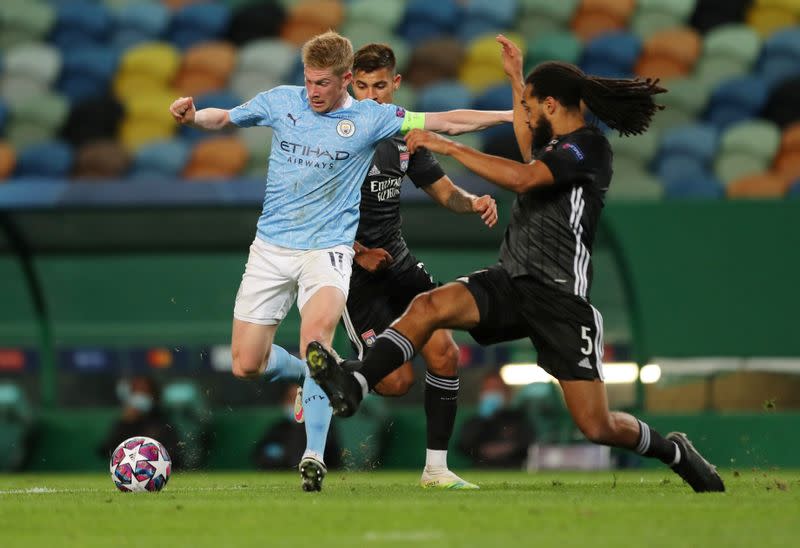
140 464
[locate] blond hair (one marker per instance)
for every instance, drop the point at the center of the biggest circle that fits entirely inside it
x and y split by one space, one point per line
329 50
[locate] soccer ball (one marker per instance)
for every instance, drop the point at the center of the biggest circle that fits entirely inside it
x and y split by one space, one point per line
140 464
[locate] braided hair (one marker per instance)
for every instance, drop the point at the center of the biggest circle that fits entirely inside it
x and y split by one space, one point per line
624 104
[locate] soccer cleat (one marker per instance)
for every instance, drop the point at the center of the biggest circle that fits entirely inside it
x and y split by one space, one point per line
443 479
312 472
701 475
341 387
299 414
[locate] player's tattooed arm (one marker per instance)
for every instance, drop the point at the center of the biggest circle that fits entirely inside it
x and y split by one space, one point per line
183 111
456 199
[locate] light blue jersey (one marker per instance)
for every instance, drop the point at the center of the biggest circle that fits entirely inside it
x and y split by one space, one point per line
317 164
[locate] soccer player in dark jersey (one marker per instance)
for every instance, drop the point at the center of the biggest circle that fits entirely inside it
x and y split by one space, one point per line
540 288
387 276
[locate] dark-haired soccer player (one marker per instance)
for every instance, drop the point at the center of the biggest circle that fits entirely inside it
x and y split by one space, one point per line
541 286
387 276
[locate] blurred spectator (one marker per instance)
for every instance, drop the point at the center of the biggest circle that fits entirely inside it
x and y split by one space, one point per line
142 415
499 435
283 444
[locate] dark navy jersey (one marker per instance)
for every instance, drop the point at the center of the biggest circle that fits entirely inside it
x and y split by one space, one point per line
380 222
552 227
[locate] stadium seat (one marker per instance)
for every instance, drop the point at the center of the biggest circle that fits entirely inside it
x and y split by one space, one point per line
444 96
45 159
612 54
254 21
482 67
680 9
205 68
596 17
24 21
92 119
782 106
561 12
137 132
271 58
553 46
495 98
139 22
8 160
249 84
709 14
87 72
735 100
704 188
258 141
780 57
768 19
746 148
472 29
647 23
787 164
433 61
640 148
441 15
157 61
101 160
696 140
736 41
36 118
632 181
35 61
307 18
197 23
161 159
671 168
216 158
669 54
758 186
81 23
498 12
383 15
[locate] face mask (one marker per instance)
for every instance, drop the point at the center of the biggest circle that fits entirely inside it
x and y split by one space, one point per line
490 403
141 402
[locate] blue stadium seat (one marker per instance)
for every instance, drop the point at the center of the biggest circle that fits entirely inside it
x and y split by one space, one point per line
681 167
495 98
735 100
196 23
500 12
81 23
780 56
700 188
161 159
612 54
443 96
140 22
87 71
696 140
424 20
3 116
45 159
794 190
472 28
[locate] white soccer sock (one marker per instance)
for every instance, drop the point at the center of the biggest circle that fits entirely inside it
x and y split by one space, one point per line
435 459
363 382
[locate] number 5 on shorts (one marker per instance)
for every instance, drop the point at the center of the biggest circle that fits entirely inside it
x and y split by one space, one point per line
587 351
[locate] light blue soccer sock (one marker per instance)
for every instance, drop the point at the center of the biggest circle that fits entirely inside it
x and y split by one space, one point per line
318 413
282 366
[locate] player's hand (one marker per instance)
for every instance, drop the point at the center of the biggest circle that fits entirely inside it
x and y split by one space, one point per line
183 110
420 138
373 260
512 57
486 207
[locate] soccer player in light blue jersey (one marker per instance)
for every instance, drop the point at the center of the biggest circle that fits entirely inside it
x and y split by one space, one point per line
322 147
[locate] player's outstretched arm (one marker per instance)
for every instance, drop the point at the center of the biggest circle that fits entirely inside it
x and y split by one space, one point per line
512 65
456 122
451 196
514 176
184 112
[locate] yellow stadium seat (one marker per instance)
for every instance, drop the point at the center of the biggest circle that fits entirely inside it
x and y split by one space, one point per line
126 86
157 60
767 20
486 50
136 132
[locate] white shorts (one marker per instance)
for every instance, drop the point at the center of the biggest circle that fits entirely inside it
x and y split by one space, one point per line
275 275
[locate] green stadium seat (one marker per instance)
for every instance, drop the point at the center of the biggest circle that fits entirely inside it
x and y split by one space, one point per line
258 141
680 9
23 21
383 15
686 95
249 84
641 148
632 181
729 167
560 45
646 23
271 58
735 41
36 118
561 12
746 148
39 62
16 424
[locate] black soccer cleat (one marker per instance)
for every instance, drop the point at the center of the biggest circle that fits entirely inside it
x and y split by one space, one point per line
701 475
341 387
312 472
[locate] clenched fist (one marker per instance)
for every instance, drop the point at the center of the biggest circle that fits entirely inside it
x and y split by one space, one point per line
183 110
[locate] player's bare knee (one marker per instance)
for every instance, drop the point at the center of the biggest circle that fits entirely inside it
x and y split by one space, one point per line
246 366
395 386
596 430
424 308
445 361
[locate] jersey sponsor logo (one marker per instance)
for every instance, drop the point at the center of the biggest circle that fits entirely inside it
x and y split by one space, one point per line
400 112
369 337
577 152
387 189
309 156
345 128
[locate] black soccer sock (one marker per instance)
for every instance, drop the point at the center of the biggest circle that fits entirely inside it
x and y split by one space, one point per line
390 350
441 404
654 445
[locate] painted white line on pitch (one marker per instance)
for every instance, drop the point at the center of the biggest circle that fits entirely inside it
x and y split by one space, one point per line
401 536
50 491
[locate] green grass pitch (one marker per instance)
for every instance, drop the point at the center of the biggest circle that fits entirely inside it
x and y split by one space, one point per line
641 508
